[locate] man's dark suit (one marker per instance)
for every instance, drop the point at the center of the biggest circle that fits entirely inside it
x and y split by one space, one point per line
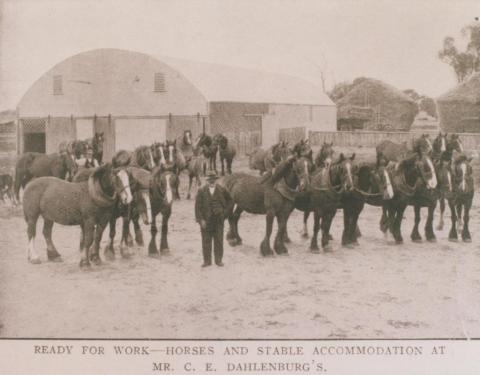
211 210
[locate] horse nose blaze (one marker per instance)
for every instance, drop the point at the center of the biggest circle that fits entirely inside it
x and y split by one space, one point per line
126 194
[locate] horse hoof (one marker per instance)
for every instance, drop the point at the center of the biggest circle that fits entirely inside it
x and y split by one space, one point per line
398 242
109 255
315 251
467 240
165 251
348 245
35 261
453 239
154 255
57 259
328 248
84 263
355 243
432 239
417 240
96 260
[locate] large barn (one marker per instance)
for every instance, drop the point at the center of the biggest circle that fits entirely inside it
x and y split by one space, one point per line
136 99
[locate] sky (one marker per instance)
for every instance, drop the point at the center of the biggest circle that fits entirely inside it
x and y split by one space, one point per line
395 41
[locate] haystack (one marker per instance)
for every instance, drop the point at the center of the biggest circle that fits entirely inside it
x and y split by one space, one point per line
374 105
459 109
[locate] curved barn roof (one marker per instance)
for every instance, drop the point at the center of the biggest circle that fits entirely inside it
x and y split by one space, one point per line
221 83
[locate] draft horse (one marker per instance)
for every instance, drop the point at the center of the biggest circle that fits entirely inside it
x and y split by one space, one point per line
87 204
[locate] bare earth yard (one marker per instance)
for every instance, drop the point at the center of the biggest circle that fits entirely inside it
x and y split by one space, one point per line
373 291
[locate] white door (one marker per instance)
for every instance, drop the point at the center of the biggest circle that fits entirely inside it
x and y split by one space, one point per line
84 128
131 133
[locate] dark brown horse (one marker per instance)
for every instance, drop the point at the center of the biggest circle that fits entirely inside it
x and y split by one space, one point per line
461 198
97 146
142 157
161 198
33 164
264 161
87 204
273 195
140 206
226 151
209 150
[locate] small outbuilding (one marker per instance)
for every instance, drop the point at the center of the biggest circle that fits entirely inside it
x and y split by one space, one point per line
459 109
136 99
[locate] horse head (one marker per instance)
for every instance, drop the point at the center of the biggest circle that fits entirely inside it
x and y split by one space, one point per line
427 171
97 143
455 144
109 182
423 144
346 170
163 185
303 149
302 168
440 143
221 141
463 174
325 155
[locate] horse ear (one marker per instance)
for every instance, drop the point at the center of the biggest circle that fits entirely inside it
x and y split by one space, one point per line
341 157
352 157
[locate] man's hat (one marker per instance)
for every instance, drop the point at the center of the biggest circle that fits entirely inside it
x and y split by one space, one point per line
211 175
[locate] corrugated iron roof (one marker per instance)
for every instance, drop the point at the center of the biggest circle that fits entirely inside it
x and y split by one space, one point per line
220 83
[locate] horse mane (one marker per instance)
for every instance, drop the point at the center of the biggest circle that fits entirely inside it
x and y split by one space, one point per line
95 189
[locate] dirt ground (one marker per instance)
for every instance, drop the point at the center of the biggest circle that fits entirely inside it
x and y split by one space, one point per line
372 291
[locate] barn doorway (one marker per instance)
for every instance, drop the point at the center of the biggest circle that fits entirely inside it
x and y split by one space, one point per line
34 142
34 138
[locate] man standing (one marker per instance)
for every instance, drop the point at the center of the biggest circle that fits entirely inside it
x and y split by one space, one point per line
211 207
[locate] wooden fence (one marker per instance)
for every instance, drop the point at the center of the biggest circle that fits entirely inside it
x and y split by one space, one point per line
470 141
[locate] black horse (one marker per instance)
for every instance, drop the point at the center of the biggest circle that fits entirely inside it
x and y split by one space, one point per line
161 198
272 194
87 204
96 144
461 198
34 164
143 157
209 150
227 152
443 150
264 161
140 206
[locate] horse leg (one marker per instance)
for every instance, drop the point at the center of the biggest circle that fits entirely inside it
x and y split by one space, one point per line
306 214
32 254
442 210
190 180
265 248
52 253
278 244
236 217
466 237
384 222
452 235
100 227
138 231
316 228
126 240
429 234
347 236
286 239
163 239
152 246
398 217
459 216
88 230
177 187
229 165
222 161
109 251
415 236
326 224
